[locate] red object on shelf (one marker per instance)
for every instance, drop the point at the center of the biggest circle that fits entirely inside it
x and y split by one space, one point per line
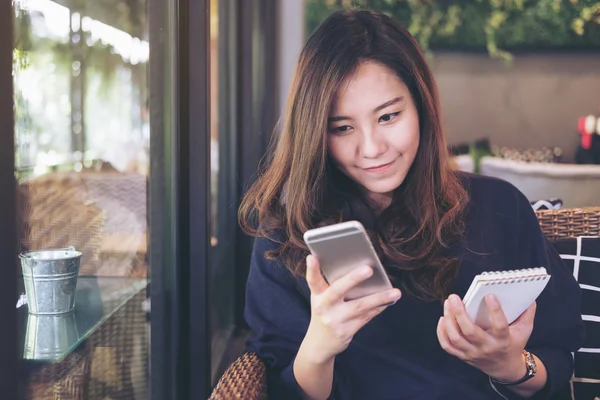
586 138
586 141
581 125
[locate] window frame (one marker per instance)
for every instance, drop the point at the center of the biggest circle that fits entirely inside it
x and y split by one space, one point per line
9 354
223 257
179 188
258 111
248 116
180 224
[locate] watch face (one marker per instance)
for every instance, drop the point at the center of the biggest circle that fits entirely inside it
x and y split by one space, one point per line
531 366
533 369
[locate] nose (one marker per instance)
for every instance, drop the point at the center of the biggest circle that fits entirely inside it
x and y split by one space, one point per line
373 144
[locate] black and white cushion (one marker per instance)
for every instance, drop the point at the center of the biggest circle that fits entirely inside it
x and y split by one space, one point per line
582 256
549 204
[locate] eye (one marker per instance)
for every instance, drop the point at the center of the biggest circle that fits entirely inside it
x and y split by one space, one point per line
340 129
388 117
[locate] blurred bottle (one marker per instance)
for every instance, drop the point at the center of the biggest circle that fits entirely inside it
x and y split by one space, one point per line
584 153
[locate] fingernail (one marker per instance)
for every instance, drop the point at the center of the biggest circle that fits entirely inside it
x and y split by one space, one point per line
455 300
492 301
366 271
394 295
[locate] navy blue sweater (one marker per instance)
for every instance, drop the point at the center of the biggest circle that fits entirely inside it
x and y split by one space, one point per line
397 355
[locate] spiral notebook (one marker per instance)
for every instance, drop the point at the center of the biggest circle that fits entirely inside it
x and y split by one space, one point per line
515 290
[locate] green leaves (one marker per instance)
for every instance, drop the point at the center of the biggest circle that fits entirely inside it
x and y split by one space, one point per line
496 26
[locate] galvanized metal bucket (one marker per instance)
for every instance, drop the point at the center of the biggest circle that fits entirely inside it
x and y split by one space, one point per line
50 278
49 337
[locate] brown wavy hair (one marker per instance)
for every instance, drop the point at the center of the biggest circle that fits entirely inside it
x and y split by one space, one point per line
300 188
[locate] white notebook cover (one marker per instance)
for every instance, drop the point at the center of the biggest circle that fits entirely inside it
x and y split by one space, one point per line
515 290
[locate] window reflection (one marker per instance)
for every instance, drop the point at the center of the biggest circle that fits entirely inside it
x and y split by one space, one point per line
82 122
82 161
80 90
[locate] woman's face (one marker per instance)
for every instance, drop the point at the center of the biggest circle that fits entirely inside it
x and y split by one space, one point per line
373 133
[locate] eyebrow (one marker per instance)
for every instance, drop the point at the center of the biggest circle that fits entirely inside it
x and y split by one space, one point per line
376 109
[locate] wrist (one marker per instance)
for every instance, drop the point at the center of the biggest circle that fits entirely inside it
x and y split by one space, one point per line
314 357
315 354
511 370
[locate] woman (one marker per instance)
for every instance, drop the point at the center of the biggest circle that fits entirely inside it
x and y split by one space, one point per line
362 140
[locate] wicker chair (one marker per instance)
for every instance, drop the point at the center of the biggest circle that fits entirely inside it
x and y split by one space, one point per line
53 214
246 377
102 214
570 222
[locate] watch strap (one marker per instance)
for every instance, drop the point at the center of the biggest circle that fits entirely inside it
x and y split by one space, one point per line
531 370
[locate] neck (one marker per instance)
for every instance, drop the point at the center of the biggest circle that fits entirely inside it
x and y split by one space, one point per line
380 201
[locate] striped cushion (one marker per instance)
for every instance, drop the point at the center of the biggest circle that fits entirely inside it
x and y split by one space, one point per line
549 204
582 256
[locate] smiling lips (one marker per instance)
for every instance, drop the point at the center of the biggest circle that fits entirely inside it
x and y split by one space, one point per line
379 168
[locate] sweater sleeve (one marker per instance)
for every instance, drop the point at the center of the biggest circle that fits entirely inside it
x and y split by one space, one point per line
278 311
558 327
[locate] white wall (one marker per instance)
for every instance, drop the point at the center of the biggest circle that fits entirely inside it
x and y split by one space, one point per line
533 103
291 41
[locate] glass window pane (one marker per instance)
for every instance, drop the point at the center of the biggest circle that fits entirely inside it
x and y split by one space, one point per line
214 117
82 157
223 200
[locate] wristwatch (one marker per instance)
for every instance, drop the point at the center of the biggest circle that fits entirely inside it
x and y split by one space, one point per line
531 370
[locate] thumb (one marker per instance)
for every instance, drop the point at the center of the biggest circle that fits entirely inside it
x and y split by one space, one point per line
315 280
525 320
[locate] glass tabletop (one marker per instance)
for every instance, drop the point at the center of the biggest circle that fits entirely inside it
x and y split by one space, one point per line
49 338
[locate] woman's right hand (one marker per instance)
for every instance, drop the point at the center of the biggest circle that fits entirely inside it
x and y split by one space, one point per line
334 321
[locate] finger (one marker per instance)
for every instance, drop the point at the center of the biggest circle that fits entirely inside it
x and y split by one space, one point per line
365 318
358 307
498 320
340 288
316 282
470 331
445 342
453 331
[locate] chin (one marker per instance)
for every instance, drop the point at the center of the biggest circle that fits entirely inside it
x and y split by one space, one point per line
384 188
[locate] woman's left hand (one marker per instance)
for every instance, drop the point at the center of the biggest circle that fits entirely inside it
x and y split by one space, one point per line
498 351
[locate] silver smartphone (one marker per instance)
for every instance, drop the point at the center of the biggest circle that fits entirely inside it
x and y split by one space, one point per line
343 247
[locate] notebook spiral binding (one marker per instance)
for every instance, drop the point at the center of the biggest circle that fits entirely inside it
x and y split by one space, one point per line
514 276
517 272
